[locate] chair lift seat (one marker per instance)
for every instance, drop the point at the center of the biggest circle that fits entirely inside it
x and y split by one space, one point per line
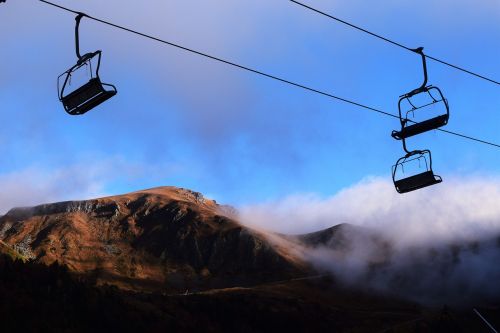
421 127
87 97
416 182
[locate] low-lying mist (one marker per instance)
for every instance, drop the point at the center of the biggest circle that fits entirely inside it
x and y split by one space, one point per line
439 245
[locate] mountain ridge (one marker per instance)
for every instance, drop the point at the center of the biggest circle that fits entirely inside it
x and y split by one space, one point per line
164 238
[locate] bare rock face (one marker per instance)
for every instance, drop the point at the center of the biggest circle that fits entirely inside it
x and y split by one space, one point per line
159 239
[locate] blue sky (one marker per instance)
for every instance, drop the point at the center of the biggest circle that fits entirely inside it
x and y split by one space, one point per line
186 121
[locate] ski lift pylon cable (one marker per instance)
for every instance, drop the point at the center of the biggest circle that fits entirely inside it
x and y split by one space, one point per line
298 85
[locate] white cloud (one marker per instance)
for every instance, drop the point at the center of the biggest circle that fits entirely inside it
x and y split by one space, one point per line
435 246
86 179
33 186
459 208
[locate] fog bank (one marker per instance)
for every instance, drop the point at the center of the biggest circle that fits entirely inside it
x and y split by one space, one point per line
440 245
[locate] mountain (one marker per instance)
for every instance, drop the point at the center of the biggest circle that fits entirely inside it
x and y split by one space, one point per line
342 237
182 262
457 272
161 239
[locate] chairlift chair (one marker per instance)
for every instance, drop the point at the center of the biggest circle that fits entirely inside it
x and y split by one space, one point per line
409 127
92 93
425 177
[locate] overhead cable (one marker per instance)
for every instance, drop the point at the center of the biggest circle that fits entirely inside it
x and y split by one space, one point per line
248 69
390 41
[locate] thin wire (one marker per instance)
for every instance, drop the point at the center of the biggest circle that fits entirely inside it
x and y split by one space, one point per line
485 321
298 85
227 62
385 39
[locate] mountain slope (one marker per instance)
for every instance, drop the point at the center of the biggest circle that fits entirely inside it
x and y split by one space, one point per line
7 250
72 305
453 272
159 239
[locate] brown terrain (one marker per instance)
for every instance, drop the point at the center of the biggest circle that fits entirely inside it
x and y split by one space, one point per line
169 259
162 239
8 251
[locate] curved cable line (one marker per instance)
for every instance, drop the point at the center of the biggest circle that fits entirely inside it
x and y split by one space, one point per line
385 39
298 85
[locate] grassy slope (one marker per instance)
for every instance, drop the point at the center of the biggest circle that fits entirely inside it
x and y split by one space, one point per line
6 249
